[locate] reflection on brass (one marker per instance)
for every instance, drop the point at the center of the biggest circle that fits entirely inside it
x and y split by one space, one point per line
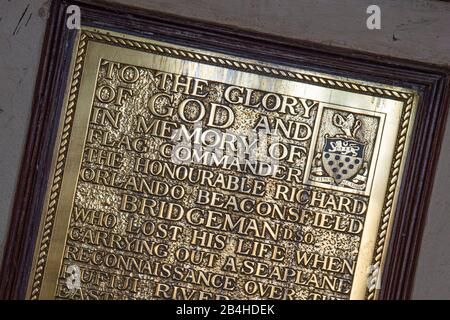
180 173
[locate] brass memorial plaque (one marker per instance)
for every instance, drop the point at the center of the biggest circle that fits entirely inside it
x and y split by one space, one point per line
181 173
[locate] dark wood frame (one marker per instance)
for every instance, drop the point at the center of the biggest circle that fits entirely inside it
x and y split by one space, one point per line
433 83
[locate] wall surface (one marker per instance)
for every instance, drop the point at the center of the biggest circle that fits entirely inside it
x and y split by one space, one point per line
410 29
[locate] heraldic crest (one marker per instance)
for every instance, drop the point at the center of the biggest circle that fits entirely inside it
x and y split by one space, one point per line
341 161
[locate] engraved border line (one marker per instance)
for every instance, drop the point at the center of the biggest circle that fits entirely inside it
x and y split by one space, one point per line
59 170
163 50
343 85
389 200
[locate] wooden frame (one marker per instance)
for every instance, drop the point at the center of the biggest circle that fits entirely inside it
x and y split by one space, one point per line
431 81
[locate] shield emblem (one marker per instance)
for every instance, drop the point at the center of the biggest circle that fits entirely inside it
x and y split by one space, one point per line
342 158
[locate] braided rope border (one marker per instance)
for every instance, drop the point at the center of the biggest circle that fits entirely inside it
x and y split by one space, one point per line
228 63
245 66
389 200
59 171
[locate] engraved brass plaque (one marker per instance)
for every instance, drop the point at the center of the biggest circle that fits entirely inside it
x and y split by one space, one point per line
181 173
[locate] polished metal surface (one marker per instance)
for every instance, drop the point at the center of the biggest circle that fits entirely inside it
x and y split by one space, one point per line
182 173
